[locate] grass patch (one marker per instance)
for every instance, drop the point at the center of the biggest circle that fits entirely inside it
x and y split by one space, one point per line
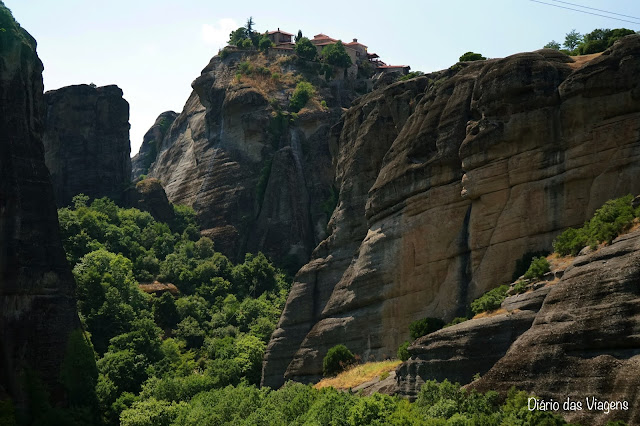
359 374
488 314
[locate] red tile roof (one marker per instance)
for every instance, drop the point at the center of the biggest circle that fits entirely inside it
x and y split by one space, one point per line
319 37
280 32
353 43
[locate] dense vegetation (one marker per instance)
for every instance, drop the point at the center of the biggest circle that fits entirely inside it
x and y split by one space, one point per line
596 41
490 301
151 349
437 404
614 217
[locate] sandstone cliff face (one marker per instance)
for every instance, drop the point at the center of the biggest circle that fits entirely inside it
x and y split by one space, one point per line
142 161
444 186
148 195
459 352
258 181
37 306
86 142
584 341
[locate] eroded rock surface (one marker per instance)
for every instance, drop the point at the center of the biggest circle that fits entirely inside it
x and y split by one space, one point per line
584 341
446 184
148 195
86 142
259 181
37 305
142 161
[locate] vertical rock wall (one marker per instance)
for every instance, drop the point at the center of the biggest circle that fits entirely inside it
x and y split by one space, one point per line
37 305
86 142
494 160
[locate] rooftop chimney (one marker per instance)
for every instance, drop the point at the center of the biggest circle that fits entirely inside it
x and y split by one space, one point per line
355 40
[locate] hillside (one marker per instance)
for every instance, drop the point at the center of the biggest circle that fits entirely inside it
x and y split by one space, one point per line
466 171
299 225
257 169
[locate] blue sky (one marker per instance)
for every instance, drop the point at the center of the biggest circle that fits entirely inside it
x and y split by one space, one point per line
154 49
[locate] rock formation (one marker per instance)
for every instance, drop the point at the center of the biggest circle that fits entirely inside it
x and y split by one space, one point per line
86 142
584 340
151 142
445 182
37 304
460 352
259 179
148 195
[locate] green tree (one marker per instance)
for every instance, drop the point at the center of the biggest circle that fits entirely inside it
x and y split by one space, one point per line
336 55
572 40
237 36
298 37
255 276
471 56
165 312
337 359
599 40
152 412
552 45
264 44
305 49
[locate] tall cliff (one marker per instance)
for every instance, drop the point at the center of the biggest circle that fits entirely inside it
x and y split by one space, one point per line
37 305
86 142
142 161
259 178
445 182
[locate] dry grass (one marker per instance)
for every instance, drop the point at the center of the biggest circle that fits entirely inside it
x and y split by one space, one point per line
559 262
579 61
358 375
488 314
267 84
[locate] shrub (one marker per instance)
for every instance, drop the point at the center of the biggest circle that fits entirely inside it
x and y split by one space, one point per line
539 266
524 262
490 300
520 287
403 351
456 320
338 358
335 54
411 75
424 326
570 242
471 56
607 223
304 91
245 68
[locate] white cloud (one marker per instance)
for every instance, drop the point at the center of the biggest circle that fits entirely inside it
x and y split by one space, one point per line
218 34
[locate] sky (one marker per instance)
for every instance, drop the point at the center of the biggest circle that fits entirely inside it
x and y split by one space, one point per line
154 49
